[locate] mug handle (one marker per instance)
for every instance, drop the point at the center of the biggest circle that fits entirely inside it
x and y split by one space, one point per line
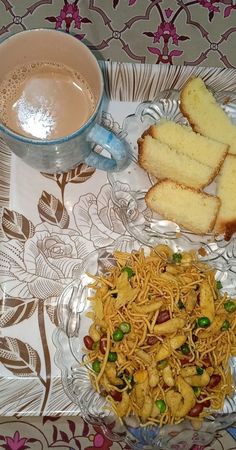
119 150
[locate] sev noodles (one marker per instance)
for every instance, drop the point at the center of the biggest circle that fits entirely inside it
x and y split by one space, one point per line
161 337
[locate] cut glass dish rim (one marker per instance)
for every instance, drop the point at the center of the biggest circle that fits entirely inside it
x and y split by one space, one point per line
75 378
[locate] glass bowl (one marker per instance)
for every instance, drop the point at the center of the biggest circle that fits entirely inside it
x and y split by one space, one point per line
69 358
130 186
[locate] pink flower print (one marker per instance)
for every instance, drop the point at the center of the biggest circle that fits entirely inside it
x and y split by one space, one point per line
167 31
164 57
209 4
228 10
168 12
100 441
69 15
15 443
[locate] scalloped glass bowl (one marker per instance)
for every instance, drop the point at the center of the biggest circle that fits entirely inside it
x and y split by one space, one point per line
75 376
130 186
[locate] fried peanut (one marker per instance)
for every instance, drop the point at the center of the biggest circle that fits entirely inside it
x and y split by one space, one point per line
140 390
93 332
188 371
172 269
191 300
111 374
207 301
153 376
173 400
145 357
169 277
167 376
170 326
173 344
146 409
188 395
125 292
150 307
198 380
155 411
121 358
123 406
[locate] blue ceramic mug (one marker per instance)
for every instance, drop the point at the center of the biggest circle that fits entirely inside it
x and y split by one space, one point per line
51 57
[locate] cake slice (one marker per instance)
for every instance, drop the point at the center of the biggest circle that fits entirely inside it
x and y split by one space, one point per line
205 115
183 139
163 161
196 211
226 191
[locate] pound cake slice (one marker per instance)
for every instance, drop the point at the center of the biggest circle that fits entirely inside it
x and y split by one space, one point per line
184 140
163 161
196 211
226 191
205 115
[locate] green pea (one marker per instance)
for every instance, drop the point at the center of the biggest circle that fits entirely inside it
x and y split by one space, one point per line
112 356
181 305
118 335
96 366
219 284
197 391
129 271
176 257
162 364
203 322
161 405
185 349
130 378
225 326
230 306
125 327
199 370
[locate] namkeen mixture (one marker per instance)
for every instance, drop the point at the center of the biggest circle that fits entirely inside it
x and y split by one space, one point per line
161 337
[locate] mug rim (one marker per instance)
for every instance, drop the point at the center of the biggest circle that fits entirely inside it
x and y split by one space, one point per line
76 133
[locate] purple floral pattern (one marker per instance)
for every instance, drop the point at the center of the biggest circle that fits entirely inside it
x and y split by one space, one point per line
16 442
69 18
73 434
166 34
196 32
52 432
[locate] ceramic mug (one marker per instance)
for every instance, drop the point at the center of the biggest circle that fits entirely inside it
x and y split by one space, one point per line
36 49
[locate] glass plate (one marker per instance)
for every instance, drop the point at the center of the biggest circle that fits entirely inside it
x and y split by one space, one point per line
131 185
75 376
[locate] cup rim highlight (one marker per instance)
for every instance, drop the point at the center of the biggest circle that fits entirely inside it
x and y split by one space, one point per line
76 133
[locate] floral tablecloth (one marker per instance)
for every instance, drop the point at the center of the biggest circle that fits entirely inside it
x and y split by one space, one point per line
49 223
191 33
72 433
